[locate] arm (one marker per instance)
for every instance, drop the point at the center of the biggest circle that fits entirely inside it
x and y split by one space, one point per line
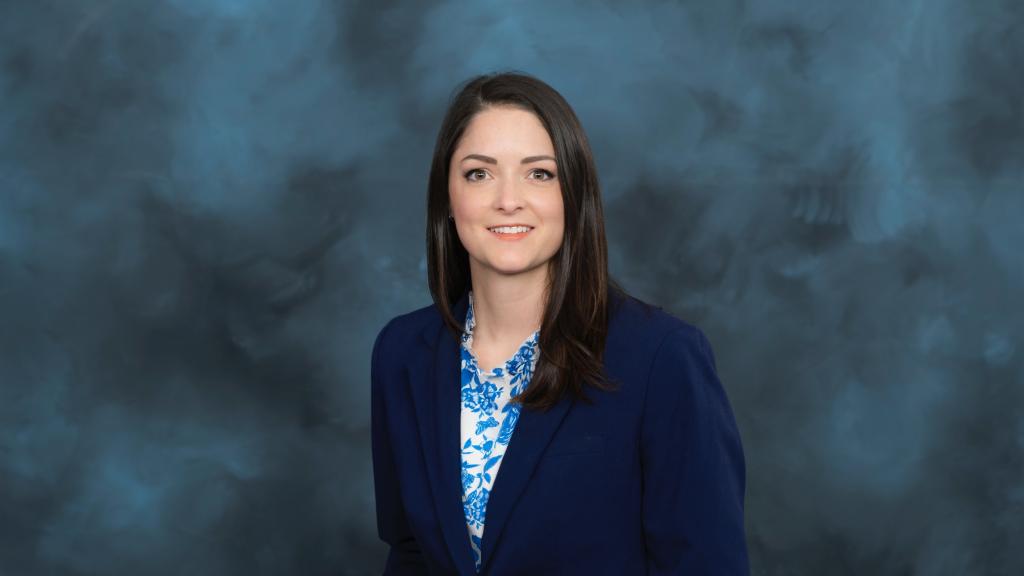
404 556
693 469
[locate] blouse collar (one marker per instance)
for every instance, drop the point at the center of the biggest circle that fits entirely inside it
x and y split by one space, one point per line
514 364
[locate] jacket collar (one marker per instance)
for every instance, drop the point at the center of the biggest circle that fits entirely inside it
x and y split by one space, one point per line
436 394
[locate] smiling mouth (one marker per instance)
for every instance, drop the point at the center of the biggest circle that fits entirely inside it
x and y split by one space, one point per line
510 232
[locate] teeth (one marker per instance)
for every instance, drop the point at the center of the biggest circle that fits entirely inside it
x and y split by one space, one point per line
510 229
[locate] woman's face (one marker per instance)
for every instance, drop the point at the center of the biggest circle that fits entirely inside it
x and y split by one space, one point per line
503 172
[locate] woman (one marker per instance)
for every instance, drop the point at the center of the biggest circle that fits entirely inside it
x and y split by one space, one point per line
536 419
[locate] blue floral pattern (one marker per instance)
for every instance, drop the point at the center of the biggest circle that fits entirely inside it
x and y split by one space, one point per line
488 421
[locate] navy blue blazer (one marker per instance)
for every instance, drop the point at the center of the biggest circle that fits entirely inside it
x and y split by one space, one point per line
648 480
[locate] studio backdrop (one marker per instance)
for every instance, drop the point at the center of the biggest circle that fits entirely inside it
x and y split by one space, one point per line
209 208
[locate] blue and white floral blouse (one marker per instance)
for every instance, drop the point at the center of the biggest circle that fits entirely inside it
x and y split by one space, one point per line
488 421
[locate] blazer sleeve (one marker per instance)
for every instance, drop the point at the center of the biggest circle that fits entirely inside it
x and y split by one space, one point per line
404 554
693 468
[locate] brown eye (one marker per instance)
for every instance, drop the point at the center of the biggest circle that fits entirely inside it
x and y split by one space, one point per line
467 174
546 172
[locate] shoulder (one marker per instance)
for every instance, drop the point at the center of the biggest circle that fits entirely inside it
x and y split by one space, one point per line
635 327
653 332
402 330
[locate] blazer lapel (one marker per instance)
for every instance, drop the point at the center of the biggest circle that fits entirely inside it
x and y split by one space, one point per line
436 394
532 433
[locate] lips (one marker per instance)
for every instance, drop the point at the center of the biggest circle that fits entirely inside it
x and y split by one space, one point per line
493 228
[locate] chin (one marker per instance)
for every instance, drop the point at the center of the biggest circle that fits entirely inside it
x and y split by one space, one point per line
504 262
512 268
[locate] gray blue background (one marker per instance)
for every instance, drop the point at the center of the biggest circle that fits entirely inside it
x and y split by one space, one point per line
208 208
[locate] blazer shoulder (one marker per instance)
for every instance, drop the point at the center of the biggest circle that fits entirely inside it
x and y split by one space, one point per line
652 324
399 330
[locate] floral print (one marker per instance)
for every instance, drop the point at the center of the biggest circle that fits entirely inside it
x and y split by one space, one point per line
488 421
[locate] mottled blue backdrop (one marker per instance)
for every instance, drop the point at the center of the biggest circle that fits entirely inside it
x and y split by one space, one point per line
209 208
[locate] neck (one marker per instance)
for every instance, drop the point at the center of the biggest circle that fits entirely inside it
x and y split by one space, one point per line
508 308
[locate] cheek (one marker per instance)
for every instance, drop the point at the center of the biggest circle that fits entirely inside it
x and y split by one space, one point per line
554 211
554 220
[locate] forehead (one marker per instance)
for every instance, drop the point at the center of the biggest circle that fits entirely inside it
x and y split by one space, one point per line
498 130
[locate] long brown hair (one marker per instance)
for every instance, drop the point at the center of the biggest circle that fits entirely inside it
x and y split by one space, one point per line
575 323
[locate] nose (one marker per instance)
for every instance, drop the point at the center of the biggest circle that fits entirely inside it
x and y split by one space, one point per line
510 196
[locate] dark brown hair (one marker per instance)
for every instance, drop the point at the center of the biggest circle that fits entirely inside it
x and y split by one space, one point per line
575 323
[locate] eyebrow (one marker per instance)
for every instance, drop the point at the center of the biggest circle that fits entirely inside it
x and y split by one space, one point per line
490 160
